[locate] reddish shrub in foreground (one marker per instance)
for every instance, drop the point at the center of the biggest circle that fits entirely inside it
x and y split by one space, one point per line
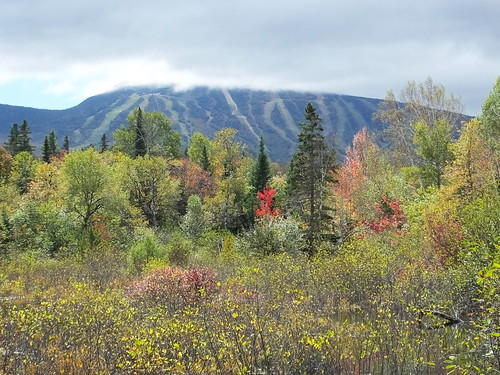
175 286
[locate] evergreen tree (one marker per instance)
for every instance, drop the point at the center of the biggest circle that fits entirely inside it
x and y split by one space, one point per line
194 222
104 143
49 148
205 161
53 143
25 138
66 143
46 150
310 170
140 144
148 133
261 172
12 143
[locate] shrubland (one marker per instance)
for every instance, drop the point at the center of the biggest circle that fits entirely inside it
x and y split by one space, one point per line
117 263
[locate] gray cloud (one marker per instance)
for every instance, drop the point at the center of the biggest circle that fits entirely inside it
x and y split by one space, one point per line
357 48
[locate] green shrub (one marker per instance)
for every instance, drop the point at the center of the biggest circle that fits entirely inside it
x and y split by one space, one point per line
179 249
143 251
273 235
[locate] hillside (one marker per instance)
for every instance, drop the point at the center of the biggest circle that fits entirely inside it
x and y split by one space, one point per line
275 115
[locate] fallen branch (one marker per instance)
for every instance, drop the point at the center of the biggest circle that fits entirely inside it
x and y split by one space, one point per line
451 320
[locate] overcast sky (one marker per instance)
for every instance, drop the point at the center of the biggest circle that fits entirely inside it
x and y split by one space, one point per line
56 53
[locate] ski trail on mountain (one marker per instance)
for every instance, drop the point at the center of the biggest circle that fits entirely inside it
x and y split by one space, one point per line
237 113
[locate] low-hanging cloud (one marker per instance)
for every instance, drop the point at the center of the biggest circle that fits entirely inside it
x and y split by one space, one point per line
77 49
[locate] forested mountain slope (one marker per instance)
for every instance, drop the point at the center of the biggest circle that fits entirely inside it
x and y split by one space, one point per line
275 115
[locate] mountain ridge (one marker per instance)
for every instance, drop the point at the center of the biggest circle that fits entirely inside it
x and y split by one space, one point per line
274 114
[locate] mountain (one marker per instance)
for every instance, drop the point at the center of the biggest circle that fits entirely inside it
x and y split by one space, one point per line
275 115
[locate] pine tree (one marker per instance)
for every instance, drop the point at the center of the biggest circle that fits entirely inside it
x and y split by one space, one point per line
140 144
310 170
46 150
25 138
205 161
104 143
66 143
53 143
261 172
12 143
49 148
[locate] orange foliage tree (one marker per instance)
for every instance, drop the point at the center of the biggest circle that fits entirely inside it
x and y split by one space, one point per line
266 203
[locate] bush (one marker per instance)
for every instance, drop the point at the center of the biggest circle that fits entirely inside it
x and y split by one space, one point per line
273 235
179 250
174 286
143 251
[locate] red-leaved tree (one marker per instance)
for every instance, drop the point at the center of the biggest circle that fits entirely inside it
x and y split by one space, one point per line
266 202
390 216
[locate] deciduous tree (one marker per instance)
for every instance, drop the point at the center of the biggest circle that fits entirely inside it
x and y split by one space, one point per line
194 180
472 173
199 150
490 125
88 185
152 189
266 203
5 164
23 170
363 179
427 102
230 171
433 147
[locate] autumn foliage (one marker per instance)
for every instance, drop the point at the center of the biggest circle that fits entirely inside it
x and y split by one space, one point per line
390 216
175 286
91 285
266 203
352 173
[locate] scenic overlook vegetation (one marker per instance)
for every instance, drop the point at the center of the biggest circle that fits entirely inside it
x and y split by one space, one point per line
218 231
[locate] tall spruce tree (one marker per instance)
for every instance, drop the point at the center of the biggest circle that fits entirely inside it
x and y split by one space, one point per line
261 172
46 150
140 144
310 169
53 143
205 160
25 138
49 148
66 143
104 143
12 143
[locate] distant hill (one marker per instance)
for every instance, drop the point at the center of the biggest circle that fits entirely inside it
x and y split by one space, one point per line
275 115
